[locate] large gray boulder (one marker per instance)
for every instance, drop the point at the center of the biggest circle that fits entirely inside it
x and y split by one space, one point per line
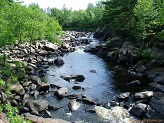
138 110
37 105
18 88
157 104
43 87
35 79
144 95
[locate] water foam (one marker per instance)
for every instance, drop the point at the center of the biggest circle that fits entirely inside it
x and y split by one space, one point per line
114 115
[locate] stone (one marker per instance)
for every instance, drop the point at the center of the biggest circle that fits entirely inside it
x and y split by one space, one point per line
141 68
157 104
73 105
54 108
46 114
89 101
17 88
123 96
23 109
134 83
138 110
35 79
159 79
36 119
78 78
157 87
37 105
58 62
3 96
41 86
61 92
36 94
76 87
90 110
144 95
32 87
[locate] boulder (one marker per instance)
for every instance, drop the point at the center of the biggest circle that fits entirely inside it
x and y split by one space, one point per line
76 87
134 83
78 78
123 96
17 88
36 119
35 79
144 95
58 62
37 105
157 104
73 105
89 101
138 110
46 114
157 87
41 86
61 92
141 68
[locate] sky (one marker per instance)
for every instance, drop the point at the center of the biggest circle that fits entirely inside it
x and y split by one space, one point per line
74 4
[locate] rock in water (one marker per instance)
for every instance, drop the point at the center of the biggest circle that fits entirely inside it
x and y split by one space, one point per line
73 105
58 62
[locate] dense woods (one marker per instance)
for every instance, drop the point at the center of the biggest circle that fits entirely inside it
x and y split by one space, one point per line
23 23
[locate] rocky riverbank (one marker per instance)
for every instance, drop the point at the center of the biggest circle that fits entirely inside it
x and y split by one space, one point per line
24 94
34 60
127 53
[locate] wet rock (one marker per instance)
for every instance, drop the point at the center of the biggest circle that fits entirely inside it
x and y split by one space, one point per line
46 114
123 96
113 103
76 87
92 71
23 109
138 110
61 92
43 87
73 105
89 101
157 104
32 87
58 62
36 119
36 94
90 109
144 95
72 96
141 68
157 87
134 83
37 105
54 108
13 102
159 79
17 88
35 79
78 78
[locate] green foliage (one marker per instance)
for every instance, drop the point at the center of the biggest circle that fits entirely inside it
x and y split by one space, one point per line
79 19
2 83
107 43
23 23
12 114
145 54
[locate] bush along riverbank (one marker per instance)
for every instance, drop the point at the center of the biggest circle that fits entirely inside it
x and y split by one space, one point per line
22 67
140 60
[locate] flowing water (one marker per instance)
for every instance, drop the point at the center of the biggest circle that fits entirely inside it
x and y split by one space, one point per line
98 84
